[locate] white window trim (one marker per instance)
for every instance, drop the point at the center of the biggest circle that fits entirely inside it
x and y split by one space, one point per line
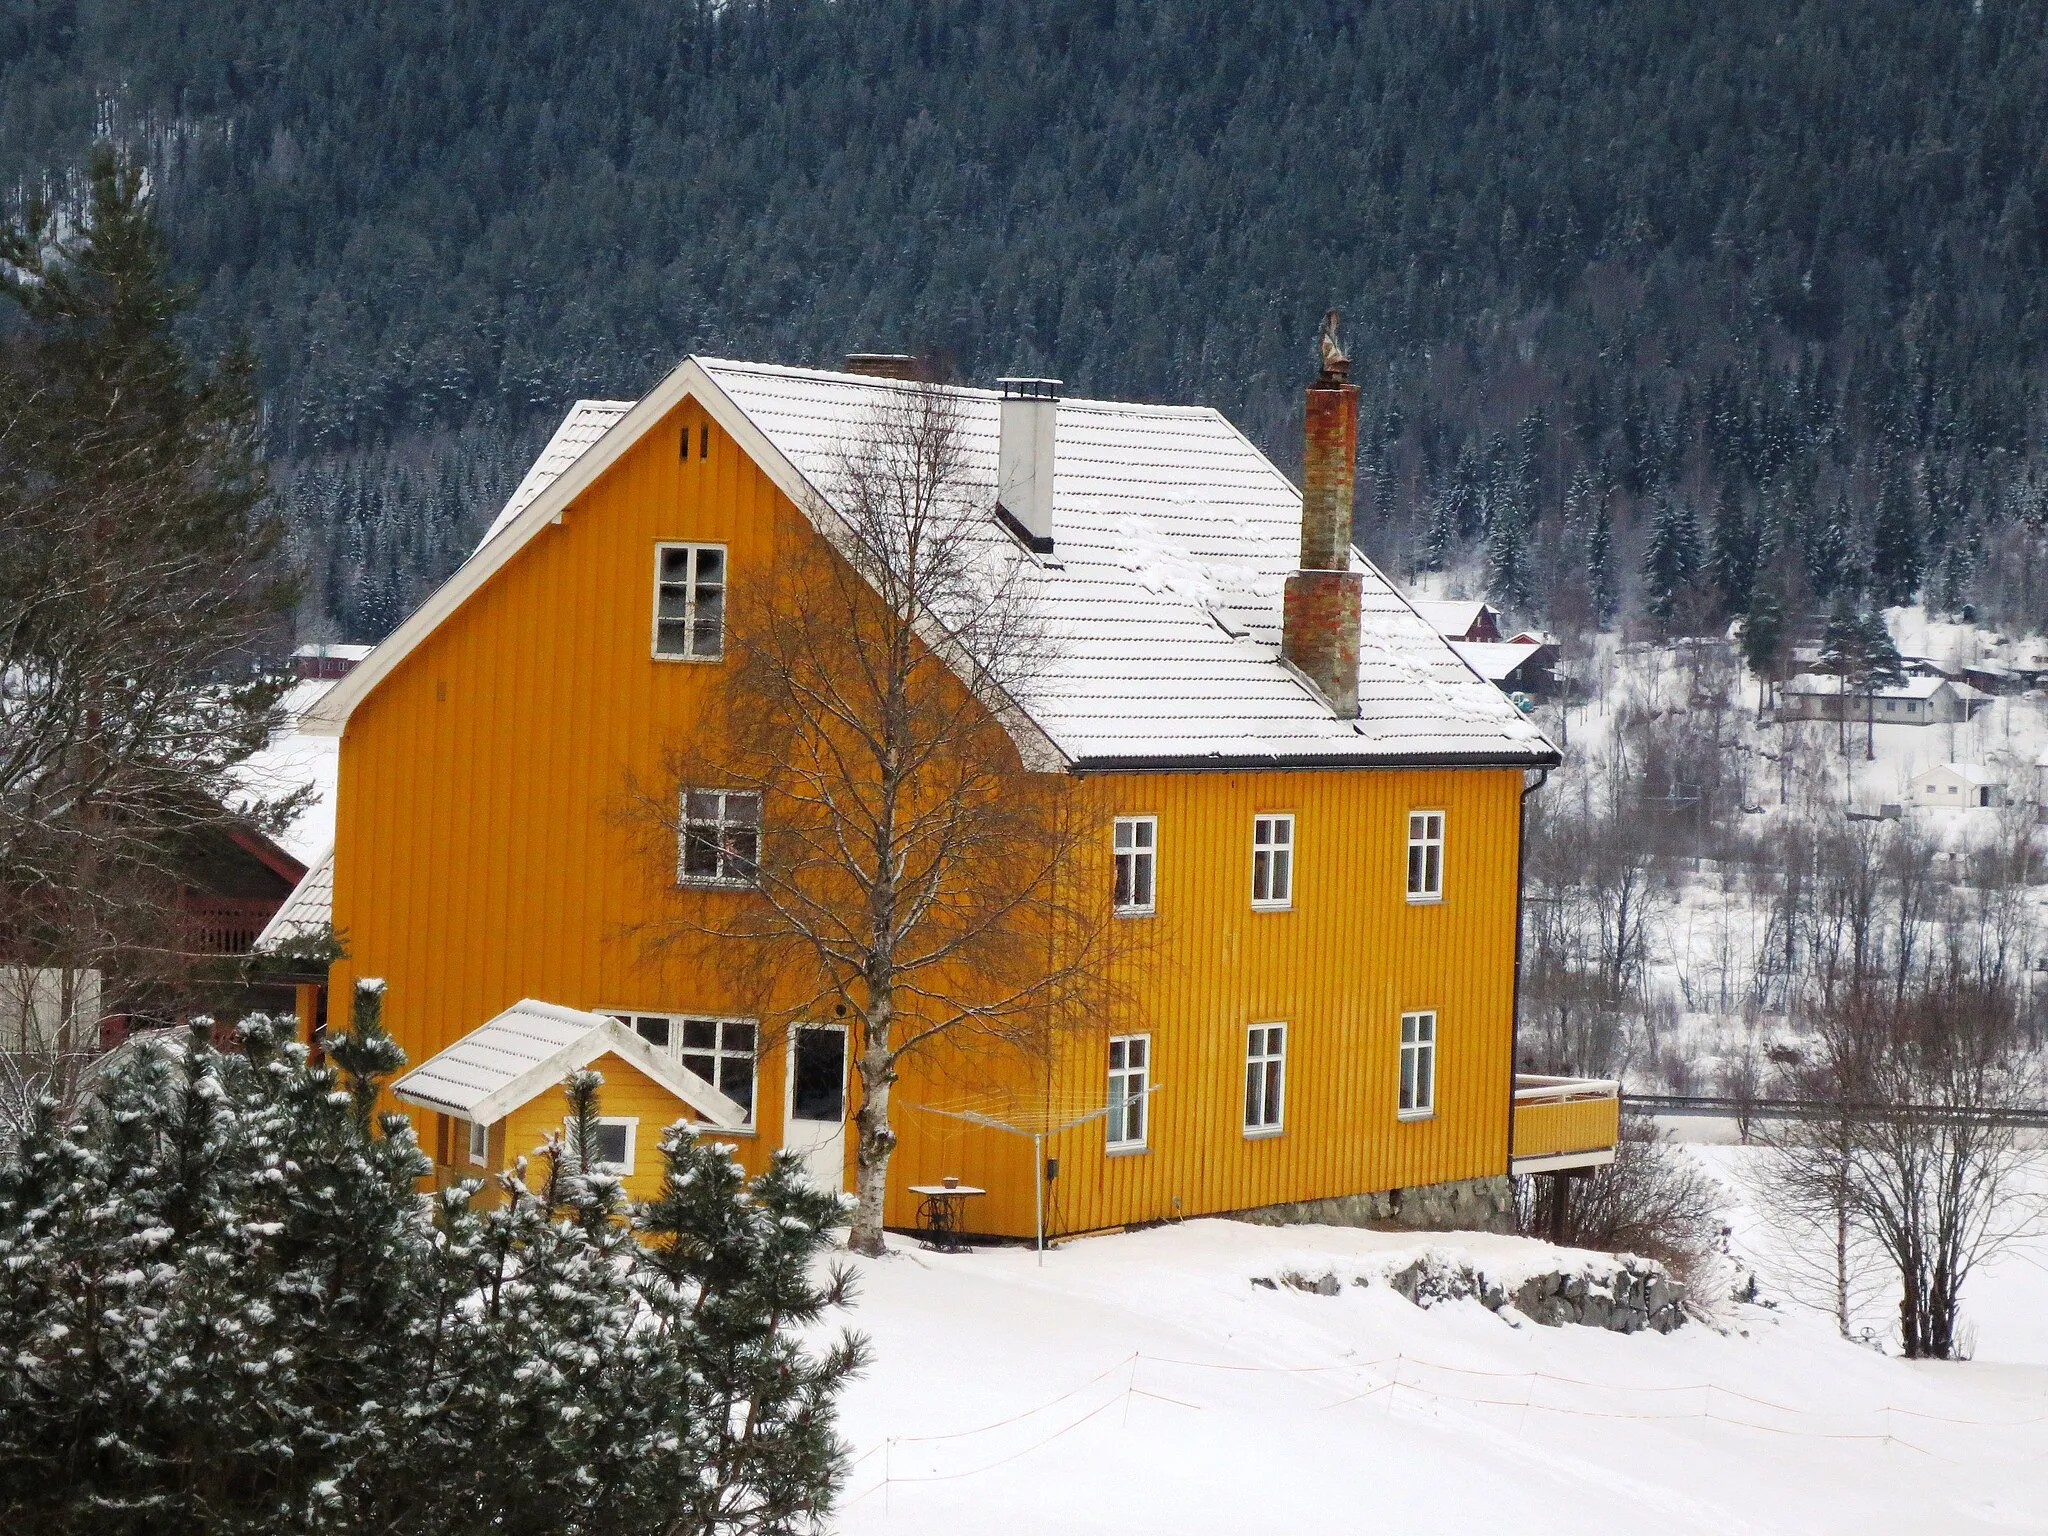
1262 1132
675 1053
1426 898
714 882
1151 852
689 604
479 1155
632 1125
1144 1141
1273 904
1426 1111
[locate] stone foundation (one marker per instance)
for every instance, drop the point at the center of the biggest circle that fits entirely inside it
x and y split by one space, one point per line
1464 1205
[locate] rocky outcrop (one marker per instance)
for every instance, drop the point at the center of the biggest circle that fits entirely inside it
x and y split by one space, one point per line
1623 1294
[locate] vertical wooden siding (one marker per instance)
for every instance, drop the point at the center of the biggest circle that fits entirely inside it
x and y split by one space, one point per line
489 849
489 846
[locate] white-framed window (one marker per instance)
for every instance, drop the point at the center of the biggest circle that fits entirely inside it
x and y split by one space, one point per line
479 1144
1418 1065
1273 861
611 1150
1130 1073
1265 1078
720 1051
1425 855
689 601
721 837
1137 864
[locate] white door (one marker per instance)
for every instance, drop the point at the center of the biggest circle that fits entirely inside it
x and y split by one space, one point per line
814 1120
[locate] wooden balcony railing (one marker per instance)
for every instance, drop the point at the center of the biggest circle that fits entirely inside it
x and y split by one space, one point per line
1564 1122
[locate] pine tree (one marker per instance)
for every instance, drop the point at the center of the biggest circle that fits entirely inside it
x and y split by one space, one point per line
1734 551
1671 560
1764 634
1895 544
1828 568
140 577
226 1309
1600 567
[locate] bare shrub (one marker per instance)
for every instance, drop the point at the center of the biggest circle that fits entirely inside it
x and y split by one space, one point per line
1652 1200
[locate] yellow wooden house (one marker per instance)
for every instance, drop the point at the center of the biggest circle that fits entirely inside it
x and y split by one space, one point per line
1311 805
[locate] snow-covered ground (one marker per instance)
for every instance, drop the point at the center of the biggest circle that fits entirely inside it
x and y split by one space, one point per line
1141 1382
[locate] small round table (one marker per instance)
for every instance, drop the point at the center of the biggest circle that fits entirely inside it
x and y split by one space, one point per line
938 1214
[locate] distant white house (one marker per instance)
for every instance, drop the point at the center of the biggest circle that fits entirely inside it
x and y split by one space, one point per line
1961 785
1916 701
1513 666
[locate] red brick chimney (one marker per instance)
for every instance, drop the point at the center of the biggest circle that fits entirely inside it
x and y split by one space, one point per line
1319 618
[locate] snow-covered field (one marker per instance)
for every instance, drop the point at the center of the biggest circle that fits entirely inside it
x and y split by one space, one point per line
1141 1382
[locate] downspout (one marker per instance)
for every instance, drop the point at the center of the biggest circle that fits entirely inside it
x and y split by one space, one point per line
1515 1003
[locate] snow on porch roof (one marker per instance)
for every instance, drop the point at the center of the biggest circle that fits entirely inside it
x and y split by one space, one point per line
1174 537
528 1049
306 912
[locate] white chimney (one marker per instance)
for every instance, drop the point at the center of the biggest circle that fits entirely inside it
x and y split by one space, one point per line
1024 460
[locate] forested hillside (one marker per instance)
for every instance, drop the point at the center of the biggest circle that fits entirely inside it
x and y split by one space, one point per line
1655 303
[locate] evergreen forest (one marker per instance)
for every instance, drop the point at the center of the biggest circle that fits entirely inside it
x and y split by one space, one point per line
1663 311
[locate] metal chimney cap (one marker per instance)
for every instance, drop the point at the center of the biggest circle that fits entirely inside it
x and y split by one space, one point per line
1030 389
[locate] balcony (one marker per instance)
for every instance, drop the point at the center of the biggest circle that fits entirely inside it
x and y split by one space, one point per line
1564 1122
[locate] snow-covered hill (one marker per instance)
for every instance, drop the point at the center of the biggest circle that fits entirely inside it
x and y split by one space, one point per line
1143 1383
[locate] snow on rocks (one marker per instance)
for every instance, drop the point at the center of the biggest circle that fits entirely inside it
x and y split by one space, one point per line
1550 1286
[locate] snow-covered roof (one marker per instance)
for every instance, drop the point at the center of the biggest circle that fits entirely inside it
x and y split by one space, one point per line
1969 773
530 1048
1174 539
1827 683
339 652
1495 659
307 912
587 421
1450 617
298 758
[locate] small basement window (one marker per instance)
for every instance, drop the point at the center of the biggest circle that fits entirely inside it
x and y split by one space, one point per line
1272 862
689 601
721 837
1137 853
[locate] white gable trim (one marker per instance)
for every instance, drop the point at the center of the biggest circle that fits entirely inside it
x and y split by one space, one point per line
605 1037
688 380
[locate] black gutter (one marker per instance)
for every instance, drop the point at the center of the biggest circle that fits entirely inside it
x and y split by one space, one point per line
1515 993
1273 763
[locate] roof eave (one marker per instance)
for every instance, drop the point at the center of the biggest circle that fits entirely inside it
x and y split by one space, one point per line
1280 762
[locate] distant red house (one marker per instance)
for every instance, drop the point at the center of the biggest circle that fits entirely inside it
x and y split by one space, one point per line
1473 620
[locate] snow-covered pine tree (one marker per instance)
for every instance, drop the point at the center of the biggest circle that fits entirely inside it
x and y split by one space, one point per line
225 1308
1829 569
1600 566
1895 559
1734 562
1671 560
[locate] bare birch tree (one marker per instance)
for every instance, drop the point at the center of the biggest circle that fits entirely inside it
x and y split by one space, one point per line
911 873
1911 1153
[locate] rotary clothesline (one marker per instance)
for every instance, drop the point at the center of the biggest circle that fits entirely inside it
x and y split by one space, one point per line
1038 1116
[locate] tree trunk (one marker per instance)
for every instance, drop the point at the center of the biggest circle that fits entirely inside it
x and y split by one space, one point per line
876 1140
